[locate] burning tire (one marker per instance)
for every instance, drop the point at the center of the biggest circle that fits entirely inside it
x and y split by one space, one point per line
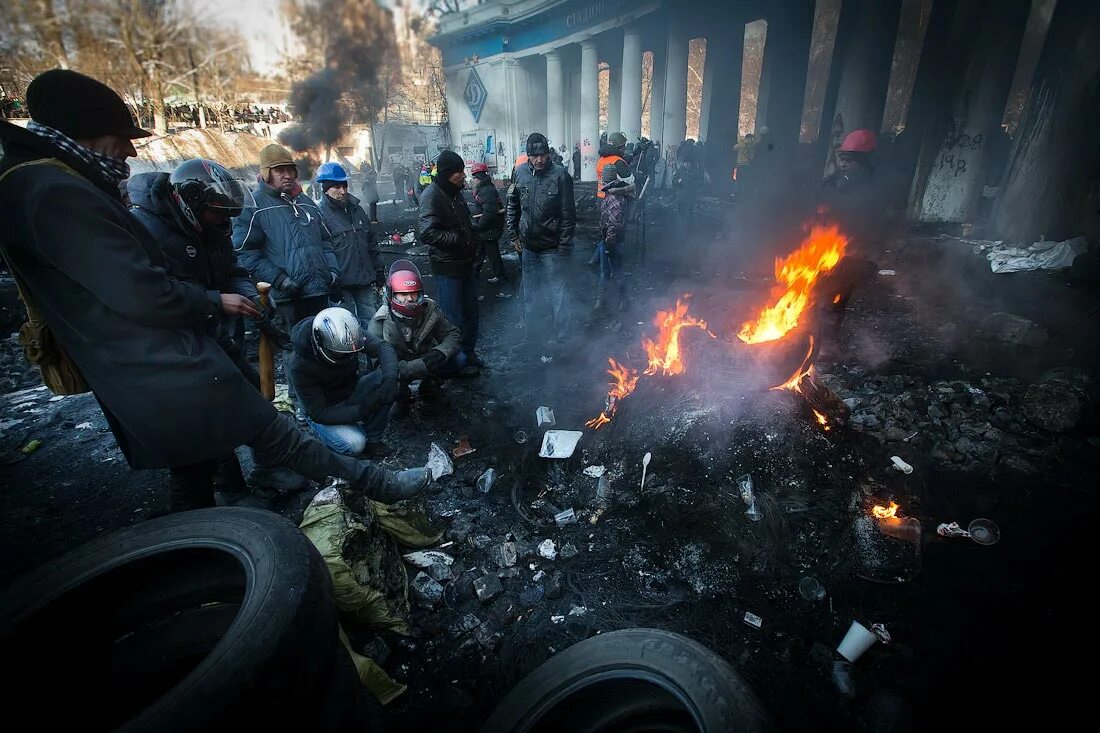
195 621
634 679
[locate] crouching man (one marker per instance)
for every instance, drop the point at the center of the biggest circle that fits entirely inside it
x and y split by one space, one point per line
348 412
426 343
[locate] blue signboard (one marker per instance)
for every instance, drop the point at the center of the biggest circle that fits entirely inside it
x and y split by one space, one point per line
475 95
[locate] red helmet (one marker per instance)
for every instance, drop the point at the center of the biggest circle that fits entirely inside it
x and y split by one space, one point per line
404 277
479 168
859 141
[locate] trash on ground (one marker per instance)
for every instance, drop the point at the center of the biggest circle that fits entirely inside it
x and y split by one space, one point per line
427 558
565 517
984 532
408 238
887 273
842 678
463 448
645 465
544 416
546 359
753 620
31 446
810 589
603 498
485 481
547 550
1041 255
594 471
951 529
439 463
901 465
520 436
83 426
858 640
559 443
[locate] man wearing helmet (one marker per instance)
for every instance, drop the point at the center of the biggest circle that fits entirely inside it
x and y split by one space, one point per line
348 412
540 222
614 191
490 221
281 239
357 254
427 344
854 161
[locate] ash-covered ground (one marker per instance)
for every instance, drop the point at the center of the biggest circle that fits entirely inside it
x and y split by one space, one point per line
978 633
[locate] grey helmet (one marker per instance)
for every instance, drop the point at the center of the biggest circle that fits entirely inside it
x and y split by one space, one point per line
337 334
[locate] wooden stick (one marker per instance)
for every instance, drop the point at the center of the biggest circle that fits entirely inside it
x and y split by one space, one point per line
267 357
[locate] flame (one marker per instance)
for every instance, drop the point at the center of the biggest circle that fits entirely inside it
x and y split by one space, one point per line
881 512
821 419
624 380
820 252
836 298
804 369
664 353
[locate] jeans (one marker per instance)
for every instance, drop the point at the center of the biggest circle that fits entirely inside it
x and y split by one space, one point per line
363 302
458 298
491 249
352 439
452 366
611 268
544 307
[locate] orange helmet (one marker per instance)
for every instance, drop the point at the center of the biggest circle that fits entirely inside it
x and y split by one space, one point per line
859 141
479 168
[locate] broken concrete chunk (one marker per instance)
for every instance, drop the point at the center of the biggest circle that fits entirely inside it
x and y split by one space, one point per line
427 558
753 620
439 463
568 551
488 587
481 541
544 416
440 572
507 555
532 595
548 550
468 622
427 588
553 586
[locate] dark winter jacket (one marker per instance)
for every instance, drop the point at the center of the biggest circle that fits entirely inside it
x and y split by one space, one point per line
325 389
139 337
211 263
352 240
284 236
541 211
412 342
370 184
445 226
487 203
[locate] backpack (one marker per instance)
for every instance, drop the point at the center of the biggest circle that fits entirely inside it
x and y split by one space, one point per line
59 372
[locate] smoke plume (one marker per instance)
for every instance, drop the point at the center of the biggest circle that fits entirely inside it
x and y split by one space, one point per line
360 59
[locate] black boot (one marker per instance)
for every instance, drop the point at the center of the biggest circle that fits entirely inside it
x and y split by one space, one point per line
401 485
191 487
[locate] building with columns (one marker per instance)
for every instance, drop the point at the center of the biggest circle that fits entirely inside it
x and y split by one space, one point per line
980 105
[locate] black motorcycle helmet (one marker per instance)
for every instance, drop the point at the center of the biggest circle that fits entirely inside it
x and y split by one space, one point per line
202 183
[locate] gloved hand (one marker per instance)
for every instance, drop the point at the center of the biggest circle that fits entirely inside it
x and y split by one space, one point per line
289 287
388 391
434 359
279 337
517 245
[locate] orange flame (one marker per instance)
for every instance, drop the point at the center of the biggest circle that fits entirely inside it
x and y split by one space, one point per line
881 512
624 380
664 353
820 252
805 368
821 419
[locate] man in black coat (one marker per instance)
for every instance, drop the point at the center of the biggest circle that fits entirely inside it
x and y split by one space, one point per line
489 222
541 218
139 337
446 227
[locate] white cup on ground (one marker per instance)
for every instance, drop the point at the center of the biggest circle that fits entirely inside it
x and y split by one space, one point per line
858 640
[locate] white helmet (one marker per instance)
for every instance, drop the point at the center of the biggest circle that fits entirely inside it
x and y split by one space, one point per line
337 334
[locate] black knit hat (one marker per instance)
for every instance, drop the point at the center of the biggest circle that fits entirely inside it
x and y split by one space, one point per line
79 106
537 145
447 163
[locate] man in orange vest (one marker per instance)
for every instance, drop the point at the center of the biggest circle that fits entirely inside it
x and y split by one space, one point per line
610 152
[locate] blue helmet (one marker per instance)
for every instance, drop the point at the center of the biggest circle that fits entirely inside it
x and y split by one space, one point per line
332 172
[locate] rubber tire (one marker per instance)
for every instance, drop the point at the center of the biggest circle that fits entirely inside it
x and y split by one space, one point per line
240 594
703 682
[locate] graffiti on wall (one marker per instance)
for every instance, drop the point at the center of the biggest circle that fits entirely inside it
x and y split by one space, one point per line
958 147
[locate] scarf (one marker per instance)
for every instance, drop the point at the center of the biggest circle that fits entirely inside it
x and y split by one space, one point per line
112 169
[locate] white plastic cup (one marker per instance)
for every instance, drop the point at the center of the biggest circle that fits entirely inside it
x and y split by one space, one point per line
858 640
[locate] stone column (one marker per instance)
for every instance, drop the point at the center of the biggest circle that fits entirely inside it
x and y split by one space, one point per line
555 101
657 95
631 104
590 109
614 98
676 68
710 69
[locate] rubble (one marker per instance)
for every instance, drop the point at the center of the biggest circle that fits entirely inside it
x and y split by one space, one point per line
1061 400
485 481
439 463
427 558
488 587
427 588
547 550
569 551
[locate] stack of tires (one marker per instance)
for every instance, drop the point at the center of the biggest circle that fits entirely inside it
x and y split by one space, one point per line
201 621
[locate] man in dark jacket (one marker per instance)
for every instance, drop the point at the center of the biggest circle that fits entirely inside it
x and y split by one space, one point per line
426 343
357 254
615 189
400 174
577 161
446 227
489 222
348 412
282 240
139 337
540 224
